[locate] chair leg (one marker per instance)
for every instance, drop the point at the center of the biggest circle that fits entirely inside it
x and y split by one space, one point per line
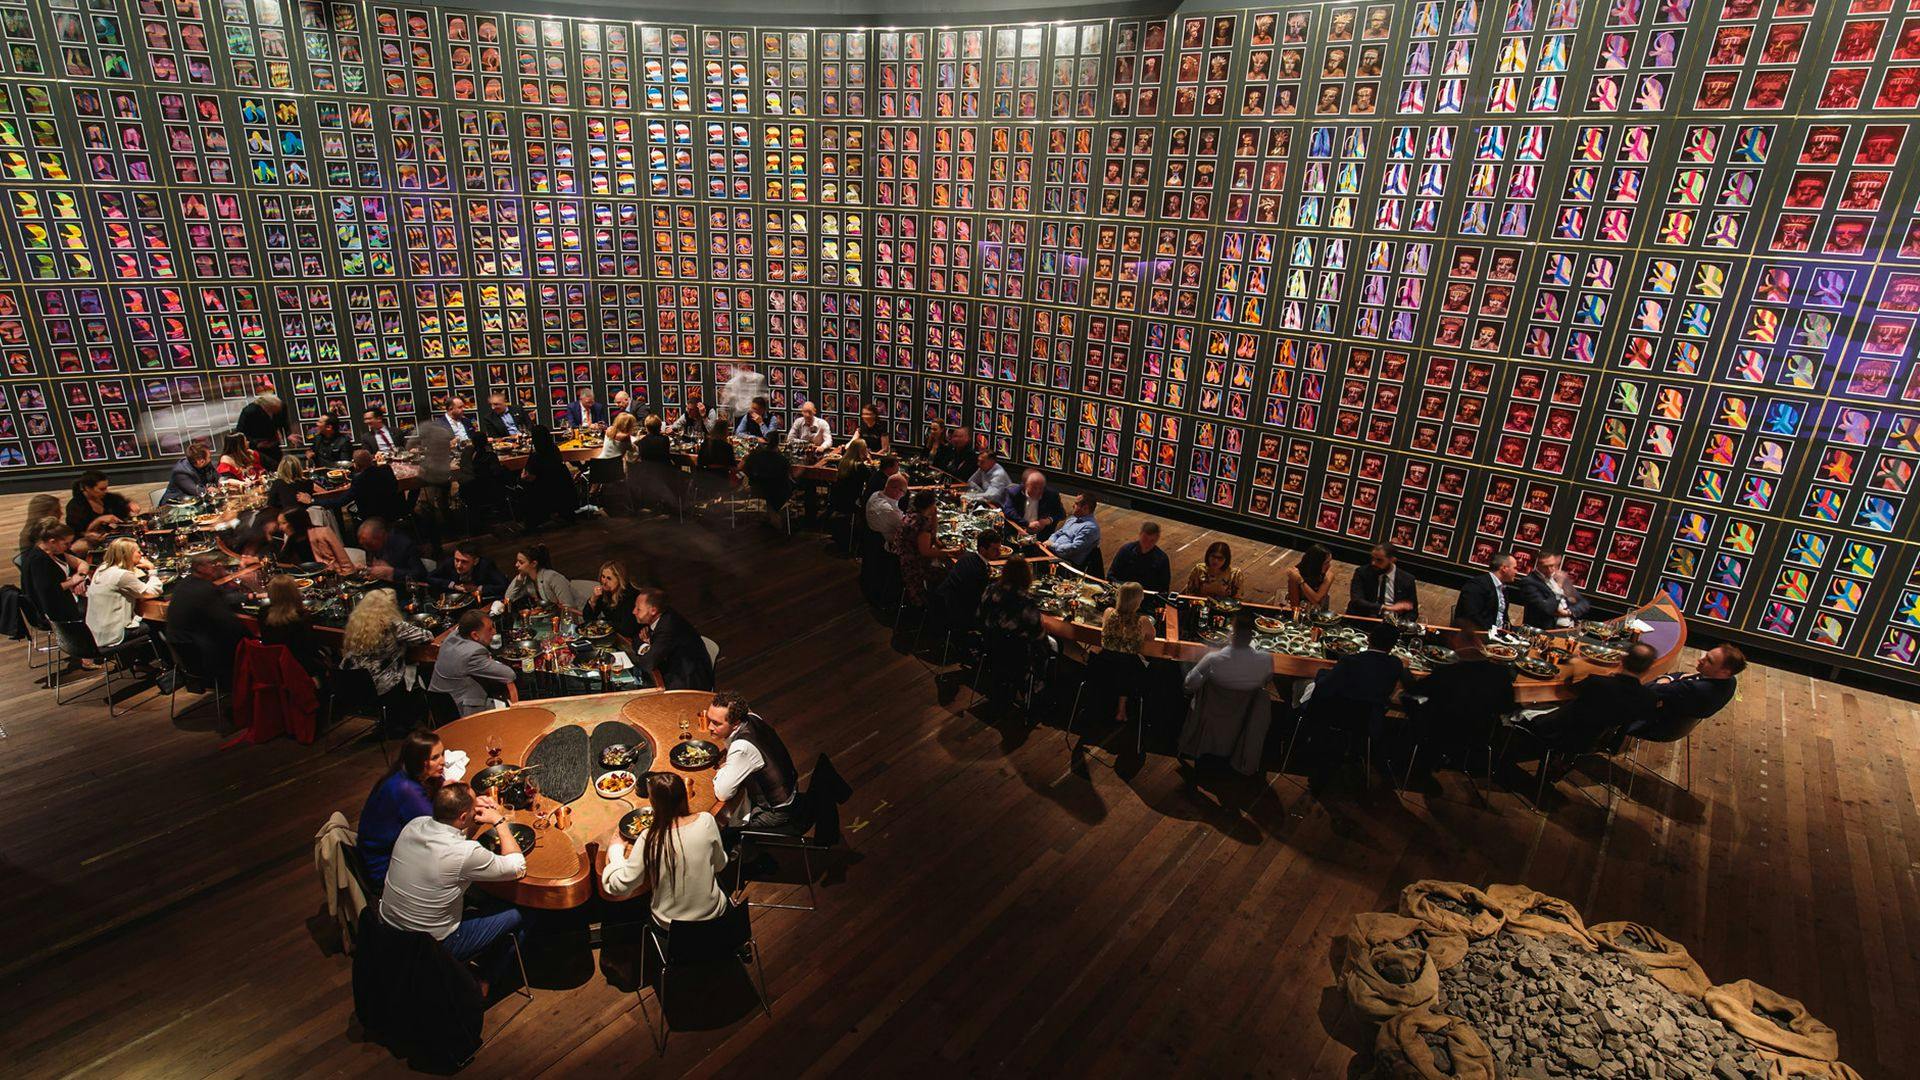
1689 753
1073 714
760 979
1292 740
112 711
657 1034
1546 761
1412 756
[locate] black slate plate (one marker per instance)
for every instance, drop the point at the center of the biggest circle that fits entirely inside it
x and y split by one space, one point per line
634 821
522 835
615 733
565 763
677 755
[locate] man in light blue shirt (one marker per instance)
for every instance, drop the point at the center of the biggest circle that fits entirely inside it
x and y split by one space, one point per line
989 483
1077 540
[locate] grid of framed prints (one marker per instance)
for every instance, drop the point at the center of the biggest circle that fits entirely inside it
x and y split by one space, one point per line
1636 280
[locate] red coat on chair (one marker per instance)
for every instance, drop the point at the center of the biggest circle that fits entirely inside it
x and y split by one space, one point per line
272 695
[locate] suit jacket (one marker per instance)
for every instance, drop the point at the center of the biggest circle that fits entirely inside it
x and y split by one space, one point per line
655 448
261 426
200 618
372 446
1015 505
580 416
40 578
1466 699
467 422
956 461
376 492
1480 602
678 654
1366 678
1601 705
401 554
1364 595
1151 569
1691 697
959 592
459 667
495 428
187 482
493 584
1542 607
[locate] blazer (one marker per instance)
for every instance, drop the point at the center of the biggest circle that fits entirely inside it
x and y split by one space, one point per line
40 581
655 448
372 445
261 426
1601 705
467 422
459 667
1480 602
678 654
375 491
1541 608
401 554
1367 678
496 428
200 619
1691 697
186 482
1015 505
493 584
578 415
1364 595
959 592
1465 699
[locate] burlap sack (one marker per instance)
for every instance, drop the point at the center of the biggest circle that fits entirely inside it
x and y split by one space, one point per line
1772 1021
1665 959
1424 1045
1386 981
1452 906
1799 1068
1374 928
1538 915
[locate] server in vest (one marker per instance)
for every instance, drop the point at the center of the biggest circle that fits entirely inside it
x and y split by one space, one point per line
756 786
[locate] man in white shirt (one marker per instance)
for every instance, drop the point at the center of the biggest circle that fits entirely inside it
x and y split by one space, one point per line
809 431
455 419
433 862
989 482
883 507
756 786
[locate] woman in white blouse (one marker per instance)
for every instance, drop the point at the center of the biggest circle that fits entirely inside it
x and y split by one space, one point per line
620 436
118 586
679 858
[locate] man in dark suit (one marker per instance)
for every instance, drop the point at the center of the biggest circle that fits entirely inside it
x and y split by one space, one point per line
585 412
654 446
1381 587
391 554
1549 598
1460 704
377 437
672 646
201 619
1358 688
374 490
1144 561
469 571
1484 598
1602 707
956 457
1688 699
265 425
456 420
958 594
503 420
329 445
1034 505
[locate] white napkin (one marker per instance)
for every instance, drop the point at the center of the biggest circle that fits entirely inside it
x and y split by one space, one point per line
1639 626
456 765
496 609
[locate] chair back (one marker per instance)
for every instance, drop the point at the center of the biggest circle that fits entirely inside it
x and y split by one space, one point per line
76 640
354 692
30 612
187 662
158 495
441 707
358 556
605 470
582 591
709 941
1669 730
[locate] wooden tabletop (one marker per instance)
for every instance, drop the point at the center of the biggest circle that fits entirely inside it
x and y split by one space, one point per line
563 870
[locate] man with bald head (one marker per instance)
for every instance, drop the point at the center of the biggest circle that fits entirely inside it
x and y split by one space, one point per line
1034 505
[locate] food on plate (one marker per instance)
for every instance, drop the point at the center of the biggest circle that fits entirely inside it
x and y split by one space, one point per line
612 785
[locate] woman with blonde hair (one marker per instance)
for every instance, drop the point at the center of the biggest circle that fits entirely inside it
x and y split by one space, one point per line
612 601
377 640
619 436
1118 668
291 486
125 578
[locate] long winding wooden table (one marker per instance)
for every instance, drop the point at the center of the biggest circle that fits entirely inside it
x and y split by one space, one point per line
563 869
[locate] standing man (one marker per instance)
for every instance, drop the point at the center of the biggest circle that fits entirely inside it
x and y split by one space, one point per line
1382 587
1483 600
1143 561
264 423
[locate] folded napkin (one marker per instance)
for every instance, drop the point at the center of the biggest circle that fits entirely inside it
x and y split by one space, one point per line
456 765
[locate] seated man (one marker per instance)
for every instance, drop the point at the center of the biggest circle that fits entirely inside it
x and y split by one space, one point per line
1221 722
329 445
669 644
1485 598
1602 707
374 490
1034 505
756 786
1460 704
955 456
192 475
1548 597
201 618
1362 684
958 594
503 420
391 554
769 475
990 482
1381 587
809 432
464 661
1144 561
654 446
378 438
1077 540
469 572
883 507
1688 699
434 859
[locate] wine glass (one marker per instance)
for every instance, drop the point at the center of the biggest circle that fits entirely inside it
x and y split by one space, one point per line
686 729
494 747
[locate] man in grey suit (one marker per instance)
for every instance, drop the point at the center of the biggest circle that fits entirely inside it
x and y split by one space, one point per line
464 661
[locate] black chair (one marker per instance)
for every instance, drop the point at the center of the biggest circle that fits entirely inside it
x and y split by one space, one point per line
826 791
1114 676
76 642
39 633
441 708
1672 731
727 938
351 693
189 675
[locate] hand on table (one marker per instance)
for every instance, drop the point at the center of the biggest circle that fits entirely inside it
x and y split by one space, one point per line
486 813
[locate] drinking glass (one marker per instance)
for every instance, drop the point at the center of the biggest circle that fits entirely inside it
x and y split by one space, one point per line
493 748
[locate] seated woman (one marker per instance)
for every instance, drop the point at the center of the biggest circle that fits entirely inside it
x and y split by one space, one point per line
125 578
619 437
290 486
548 491
1123 633
95 509
756 423
535 581
301 542
1215 578
286 621
1016 638
403 794
1311 579
679 859
612 601
918 551
936 441
238 460
377 641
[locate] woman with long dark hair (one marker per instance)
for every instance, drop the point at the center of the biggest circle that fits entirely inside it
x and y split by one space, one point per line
1215 577
405 793
1311 579
679 858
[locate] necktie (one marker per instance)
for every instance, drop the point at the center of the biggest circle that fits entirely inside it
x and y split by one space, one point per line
1499 604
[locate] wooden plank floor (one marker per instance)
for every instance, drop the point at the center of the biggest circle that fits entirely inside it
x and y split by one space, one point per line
1004 915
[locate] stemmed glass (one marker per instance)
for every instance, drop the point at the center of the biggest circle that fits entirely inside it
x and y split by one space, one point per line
494 747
